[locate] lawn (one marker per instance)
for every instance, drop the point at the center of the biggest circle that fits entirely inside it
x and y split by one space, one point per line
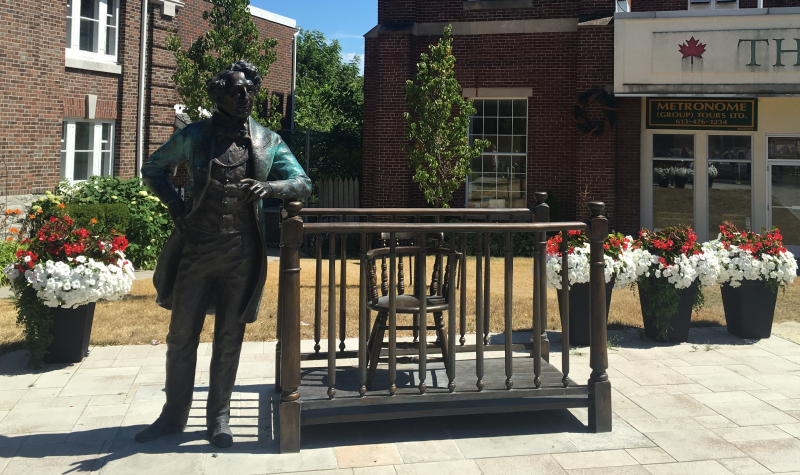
136 319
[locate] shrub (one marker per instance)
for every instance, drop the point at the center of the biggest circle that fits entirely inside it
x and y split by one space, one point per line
109 216
149 225
8 254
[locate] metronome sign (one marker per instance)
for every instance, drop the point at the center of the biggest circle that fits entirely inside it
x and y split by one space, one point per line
702 114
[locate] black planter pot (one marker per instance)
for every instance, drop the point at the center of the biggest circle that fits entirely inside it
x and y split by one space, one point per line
579 311
663 182
71 330
678 324
749 309
680 182
710 181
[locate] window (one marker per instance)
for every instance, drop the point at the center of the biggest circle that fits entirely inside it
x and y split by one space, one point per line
86 149
498 178
92 29
673 180
730 181
713 4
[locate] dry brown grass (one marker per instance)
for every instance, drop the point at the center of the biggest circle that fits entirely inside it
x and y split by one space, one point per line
138 320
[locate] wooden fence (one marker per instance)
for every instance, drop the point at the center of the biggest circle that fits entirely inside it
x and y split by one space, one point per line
339 193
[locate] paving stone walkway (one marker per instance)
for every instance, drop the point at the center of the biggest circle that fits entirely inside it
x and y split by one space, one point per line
715 405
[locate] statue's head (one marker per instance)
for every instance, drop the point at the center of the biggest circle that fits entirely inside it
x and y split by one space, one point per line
234 89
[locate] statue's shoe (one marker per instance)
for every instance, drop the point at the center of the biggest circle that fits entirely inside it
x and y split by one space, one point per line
219 434
158 428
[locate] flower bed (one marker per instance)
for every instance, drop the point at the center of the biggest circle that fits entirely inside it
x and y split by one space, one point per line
579 255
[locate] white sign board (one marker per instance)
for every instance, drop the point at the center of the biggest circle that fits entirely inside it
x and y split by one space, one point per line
723 54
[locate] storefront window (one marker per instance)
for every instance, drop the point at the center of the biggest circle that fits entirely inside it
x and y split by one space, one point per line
498 178
730 181
785 187
673 180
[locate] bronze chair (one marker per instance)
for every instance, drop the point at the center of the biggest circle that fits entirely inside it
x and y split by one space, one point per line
437 298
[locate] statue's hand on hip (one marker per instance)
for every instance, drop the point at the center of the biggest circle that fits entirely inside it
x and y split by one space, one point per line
258 190
177 210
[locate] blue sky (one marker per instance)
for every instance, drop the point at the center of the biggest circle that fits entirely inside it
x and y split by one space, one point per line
343 21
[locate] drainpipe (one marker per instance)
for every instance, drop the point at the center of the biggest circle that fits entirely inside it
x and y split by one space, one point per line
760 3
294 77
142 89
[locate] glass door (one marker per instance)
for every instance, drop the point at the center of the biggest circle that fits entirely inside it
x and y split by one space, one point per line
784 189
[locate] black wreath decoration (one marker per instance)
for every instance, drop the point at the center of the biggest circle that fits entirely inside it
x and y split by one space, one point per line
593 127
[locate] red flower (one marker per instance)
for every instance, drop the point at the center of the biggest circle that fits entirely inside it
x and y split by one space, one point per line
119 243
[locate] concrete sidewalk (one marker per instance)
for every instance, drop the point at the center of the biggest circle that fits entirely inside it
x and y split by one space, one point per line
715 405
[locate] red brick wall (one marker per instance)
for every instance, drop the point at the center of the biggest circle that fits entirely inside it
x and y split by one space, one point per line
557 66
629 130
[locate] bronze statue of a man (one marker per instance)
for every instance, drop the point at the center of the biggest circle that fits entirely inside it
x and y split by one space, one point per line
216 250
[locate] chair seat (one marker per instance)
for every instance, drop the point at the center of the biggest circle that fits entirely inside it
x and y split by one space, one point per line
409 304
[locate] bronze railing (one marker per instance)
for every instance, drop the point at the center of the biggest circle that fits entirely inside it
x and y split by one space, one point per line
339 393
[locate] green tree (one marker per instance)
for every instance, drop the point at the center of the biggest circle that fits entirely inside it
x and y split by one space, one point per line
232 36
438 124
330 91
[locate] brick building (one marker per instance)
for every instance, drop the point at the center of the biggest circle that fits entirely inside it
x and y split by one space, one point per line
70 74
526 63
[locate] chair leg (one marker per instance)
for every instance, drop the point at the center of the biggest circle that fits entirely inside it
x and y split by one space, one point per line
415 324
374 349
441 337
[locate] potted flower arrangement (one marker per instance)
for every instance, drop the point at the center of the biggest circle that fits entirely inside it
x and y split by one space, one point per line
752 267
60 271
672 285
681 175
578 262
712 173
662 176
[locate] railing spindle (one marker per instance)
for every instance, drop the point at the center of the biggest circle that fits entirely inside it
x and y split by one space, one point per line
509 305
331 315
565 307
542 211
487 283
363 324
318 295
599 385
537 320
451 314
392 315
423 312
343 294
462 323
478 311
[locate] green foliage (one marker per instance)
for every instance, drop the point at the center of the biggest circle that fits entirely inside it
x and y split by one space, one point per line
232 36
438 123
662 302
35 317
330 91
8 251
149 223
109 217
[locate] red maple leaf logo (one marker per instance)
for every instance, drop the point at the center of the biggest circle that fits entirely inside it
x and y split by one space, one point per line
692 48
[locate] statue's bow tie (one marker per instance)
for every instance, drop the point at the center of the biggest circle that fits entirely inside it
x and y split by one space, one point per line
231 134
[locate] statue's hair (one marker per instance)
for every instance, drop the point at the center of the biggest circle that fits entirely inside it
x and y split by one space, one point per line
216 85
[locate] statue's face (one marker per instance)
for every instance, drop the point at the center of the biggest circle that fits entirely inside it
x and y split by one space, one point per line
237 101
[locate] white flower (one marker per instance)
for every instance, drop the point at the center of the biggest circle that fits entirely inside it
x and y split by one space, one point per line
736 265
80 259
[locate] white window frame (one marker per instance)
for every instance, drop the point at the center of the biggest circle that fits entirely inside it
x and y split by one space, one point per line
713 4
73 44
96 164
513 154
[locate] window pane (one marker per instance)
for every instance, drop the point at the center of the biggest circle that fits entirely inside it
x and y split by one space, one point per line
477 126
784 148
88 36
90 9
81 166
490 126
63 147
106 135
83 136
111 41
506 108
520 126
478 104
504 144
504 126
730 194
673 145
104 165
69 23
519 145
521 108
673 193
112 13
730 147
786 202
490 108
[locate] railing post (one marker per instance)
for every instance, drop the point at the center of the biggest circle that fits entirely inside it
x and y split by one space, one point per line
289 301
542 215
599 385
